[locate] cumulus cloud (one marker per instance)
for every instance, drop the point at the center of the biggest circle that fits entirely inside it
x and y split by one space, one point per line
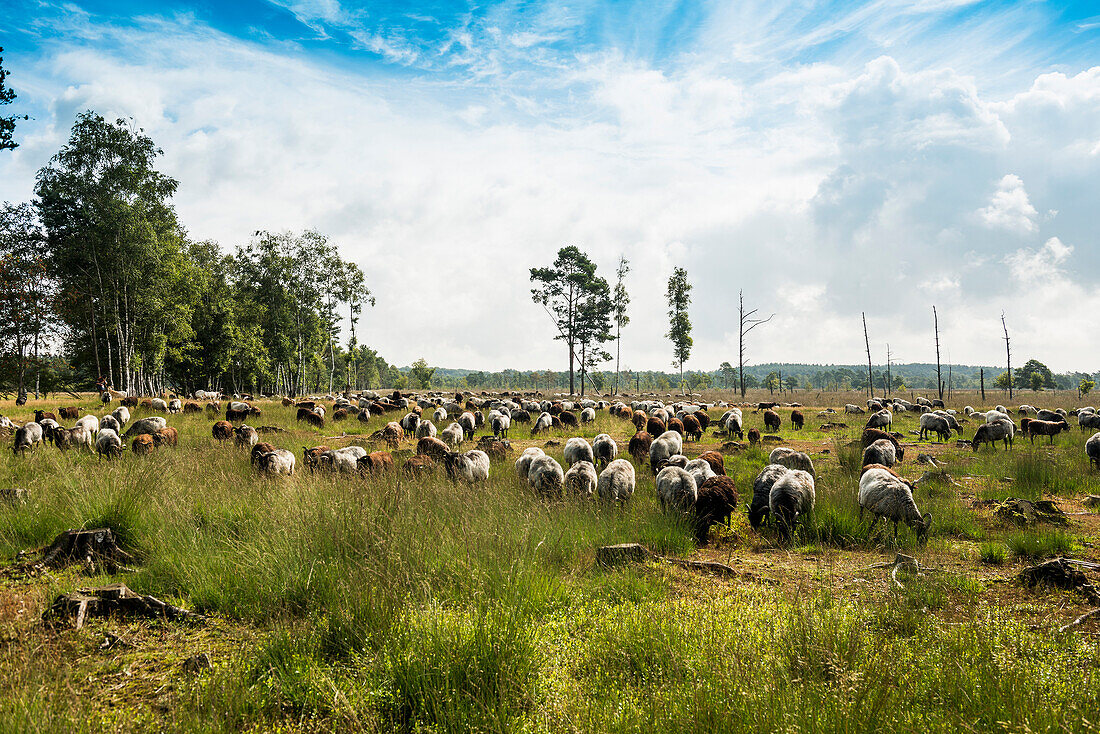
1010 207
1039 266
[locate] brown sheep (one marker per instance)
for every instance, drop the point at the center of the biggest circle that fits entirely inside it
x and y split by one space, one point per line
312 457
1045 428
315 420
555 409
419 465
254 411
307 404
496 451
142 445
640 419
703 417
130 402
692 429
339 414
167 436
754 437
675 424
213 408
715 502
263 447
1023 425
40 415
235 416
797 420
433 447
771 420
391 434
288 403
717 463
146 404
638 447
555 423
223 430
870 435
190 407
376 462
654 426
69 413
568 419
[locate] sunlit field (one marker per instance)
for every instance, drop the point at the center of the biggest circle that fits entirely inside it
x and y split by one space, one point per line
386 603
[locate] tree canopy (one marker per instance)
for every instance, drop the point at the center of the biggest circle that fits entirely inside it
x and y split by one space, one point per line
679 329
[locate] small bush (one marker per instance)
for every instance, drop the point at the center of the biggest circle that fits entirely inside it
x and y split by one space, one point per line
993 553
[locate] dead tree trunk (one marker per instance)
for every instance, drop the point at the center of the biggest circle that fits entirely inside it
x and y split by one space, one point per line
981 376
1008 353
939 374
87 547
867 343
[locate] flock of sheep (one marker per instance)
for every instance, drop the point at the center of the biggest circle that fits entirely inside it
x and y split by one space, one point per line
783 491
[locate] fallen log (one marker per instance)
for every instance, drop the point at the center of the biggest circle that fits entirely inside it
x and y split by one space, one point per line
112 599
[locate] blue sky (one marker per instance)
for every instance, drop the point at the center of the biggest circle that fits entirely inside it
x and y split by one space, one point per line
828 158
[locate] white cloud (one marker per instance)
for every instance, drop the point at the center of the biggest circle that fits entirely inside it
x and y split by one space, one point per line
1032 267
1010 207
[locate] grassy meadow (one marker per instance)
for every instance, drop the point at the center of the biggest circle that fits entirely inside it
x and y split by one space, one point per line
387 604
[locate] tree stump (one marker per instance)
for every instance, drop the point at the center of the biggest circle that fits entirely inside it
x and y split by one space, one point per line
1060 573
617 555
88 547
1026 512
111 599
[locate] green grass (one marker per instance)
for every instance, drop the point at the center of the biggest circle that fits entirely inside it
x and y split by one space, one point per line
386 605
993 553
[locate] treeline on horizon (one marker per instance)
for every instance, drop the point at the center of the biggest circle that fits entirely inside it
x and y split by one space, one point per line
99 279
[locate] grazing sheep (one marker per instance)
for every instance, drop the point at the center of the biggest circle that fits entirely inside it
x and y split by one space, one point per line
604 449
521 416
754 437
588 415
655 426
500 424
639 446
568 419
716 461
279 461
146 425
616 482
714 503
343 461
376 462
880 452
310 456
577 449
425 429
438 416
190 407
994 415
234 415
1088 420
419 466
175 405
433 447
886 495
167 436
222 430
546 476
159 405
108 421
69 413
771 420
952 422
1045 428
853 409
40 415
523 463
542 424
246 436
108 444
703 418
700 471
89 423
1092 450
142 445
870 435
792 459
692 429
932 423
263 447
664 446
732 421
792 496
410 423
675 424
452 435
580 481
880 419
1002 430
797 420
639 419
80 436
676 488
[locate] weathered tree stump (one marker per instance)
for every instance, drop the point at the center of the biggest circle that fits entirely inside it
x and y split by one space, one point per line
617 555
111 599
1061 573
89 547
1025 512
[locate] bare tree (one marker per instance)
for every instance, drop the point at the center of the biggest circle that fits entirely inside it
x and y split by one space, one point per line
939 375
747 322
1008 352
867 342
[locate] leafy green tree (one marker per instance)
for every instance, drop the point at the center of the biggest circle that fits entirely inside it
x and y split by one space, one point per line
678 295
7 124
422 373
1085 385
1036 381
772 382
728 373
26 293
1025 375
792 382
571 292
1002 380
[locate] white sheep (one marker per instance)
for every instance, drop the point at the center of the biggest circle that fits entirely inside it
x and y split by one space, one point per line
546 476
932 423
581 479
438 416
664 446
605 449
175 405
27 436
468 423
588 415
470 467
108 443
452 435
1092 450
344 461
147 426
501 423
792 496
109 421
279 461
523 463
676 488
853 409
761 492
616 482
792 459
888 496
882 452
542 423
159 405
122 415
577 449
881 419
409 423
700 470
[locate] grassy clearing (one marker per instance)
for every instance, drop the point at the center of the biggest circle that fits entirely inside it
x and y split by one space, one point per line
385 605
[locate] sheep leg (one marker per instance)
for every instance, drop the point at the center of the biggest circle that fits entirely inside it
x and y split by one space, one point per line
895 532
